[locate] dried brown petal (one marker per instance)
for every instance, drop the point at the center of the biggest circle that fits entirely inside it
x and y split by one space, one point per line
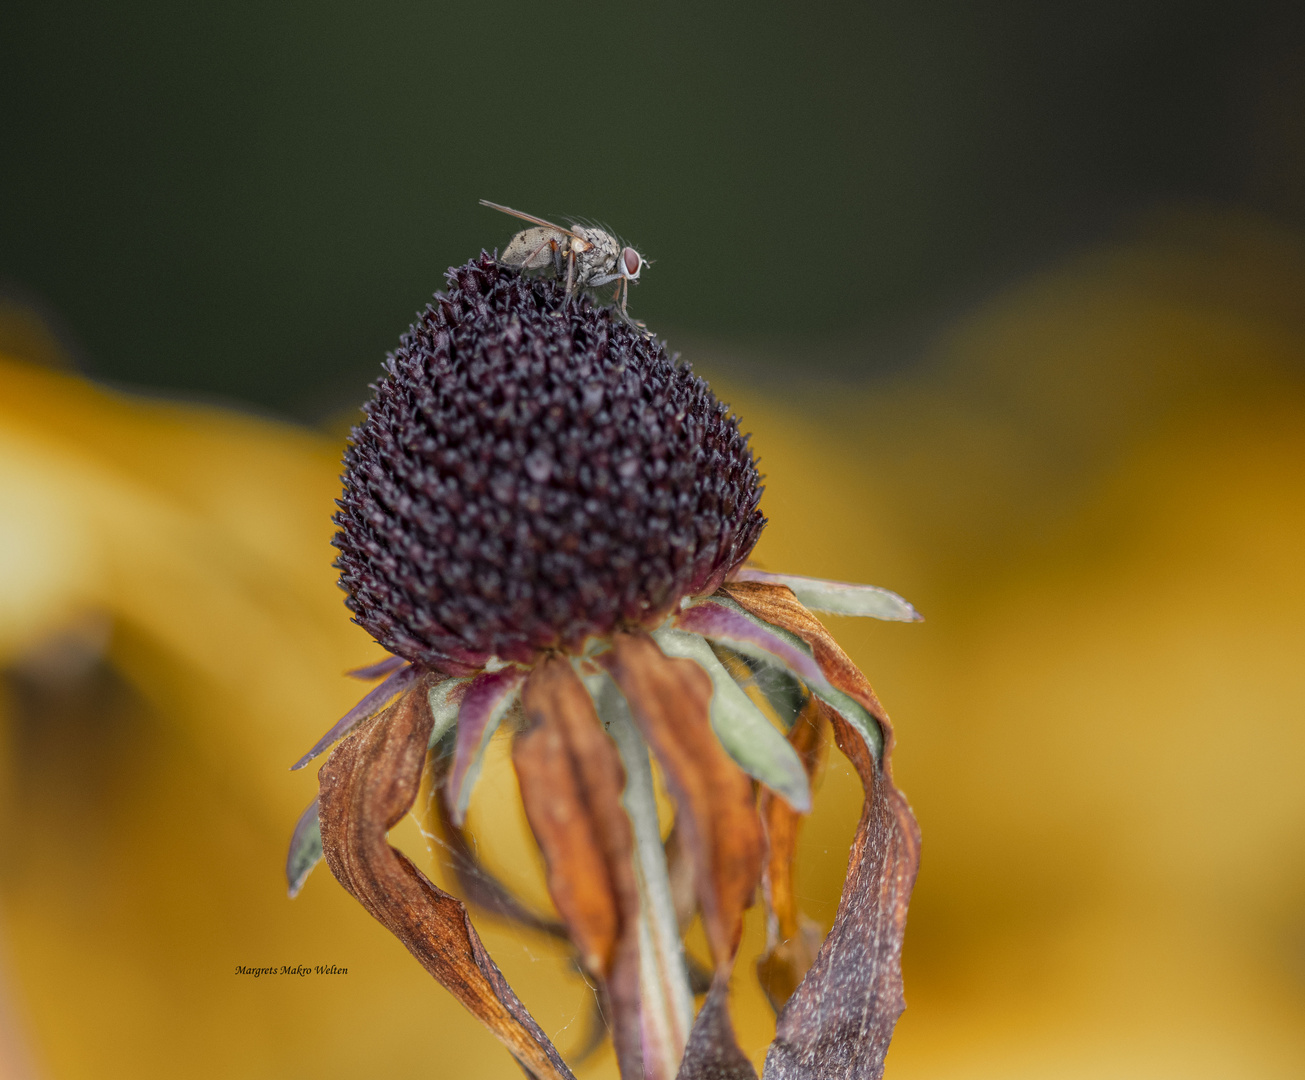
716 813
367 785
713 1052
786 963
838 1024
571 780
792 938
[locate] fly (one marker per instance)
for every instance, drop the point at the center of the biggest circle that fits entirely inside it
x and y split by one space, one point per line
591 256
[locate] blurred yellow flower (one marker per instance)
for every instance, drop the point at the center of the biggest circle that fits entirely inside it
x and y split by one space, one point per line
174 637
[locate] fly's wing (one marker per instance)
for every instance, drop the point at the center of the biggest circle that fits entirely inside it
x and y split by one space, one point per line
532 249
529 217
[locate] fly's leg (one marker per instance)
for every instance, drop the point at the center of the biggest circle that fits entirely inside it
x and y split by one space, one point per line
625 316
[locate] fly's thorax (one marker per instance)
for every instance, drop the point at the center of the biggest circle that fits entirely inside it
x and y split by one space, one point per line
599 257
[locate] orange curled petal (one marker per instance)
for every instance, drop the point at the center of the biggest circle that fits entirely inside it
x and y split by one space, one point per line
571 780
716 812
367 785
792 940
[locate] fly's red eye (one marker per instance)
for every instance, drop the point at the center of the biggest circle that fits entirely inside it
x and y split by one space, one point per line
633 262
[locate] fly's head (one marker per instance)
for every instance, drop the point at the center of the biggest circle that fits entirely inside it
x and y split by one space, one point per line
630 264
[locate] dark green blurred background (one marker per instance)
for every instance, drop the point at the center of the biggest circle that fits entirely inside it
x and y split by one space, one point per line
250 200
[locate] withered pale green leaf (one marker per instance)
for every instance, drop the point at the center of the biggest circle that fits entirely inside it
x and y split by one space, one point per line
748 737
445 699
838 597
777 606
368 784
716 813
723 620
571 781
713 1052
780 687
305 849
735 624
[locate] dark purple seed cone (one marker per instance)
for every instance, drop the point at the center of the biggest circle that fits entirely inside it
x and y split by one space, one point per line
530 475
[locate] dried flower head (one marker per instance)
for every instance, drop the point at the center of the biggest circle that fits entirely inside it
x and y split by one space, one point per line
546 520
531 475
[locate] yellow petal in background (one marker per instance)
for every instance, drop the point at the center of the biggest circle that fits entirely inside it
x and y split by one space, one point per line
147 797
1097 499
49 568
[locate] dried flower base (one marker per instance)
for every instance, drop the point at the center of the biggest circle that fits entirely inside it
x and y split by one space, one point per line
599 609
